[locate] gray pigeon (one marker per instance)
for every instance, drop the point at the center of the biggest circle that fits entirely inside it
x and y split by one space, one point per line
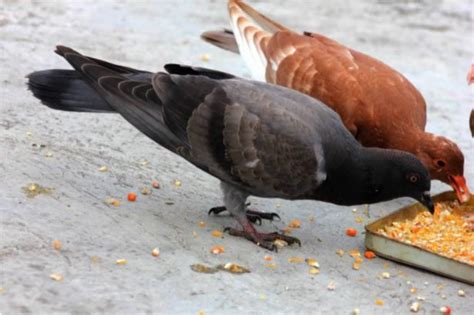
258 139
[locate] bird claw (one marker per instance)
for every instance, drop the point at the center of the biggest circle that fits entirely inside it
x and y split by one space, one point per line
216 210
254 216
270 216
264 240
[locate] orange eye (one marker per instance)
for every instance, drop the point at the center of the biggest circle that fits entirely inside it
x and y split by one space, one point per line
413 178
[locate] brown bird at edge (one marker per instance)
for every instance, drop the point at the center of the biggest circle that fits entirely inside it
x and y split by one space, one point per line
378 105
470 80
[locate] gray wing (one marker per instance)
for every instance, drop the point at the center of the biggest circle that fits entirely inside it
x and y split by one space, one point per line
238 129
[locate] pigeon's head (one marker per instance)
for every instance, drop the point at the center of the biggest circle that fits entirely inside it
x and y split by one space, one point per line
445 162
394 174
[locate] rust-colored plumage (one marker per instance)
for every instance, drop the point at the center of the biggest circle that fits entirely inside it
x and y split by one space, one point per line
377 104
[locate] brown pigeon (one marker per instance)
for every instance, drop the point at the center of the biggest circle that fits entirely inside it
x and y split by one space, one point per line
258 139
470 80
378 105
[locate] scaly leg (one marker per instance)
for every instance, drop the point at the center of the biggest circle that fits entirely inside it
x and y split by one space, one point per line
234 200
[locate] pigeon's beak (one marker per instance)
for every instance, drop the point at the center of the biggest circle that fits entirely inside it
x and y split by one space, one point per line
427 201
460 187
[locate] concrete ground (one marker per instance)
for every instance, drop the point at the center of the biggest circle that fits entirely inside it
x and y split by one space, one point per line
428 41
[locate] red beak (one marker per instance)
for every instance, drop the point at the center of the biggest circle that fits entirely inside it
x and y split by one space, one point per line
460 187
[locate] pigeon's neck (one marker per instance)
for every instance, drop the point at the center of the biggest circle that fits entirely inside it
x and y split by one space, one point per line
355 179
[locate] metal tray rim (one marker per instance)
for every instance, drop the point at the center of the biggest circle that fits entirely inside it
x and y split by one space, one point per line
371 234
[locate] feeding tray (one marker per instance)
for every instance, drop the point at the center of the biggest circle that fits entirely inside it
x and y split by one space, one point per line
412 254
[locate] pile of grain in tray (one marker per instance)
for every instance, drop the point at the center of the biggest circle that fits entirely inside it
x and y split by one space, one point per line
446 233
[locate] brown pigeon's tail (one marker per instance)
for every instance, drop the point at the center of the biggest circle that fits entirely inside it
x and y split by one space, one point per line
252 31
223 39
66 90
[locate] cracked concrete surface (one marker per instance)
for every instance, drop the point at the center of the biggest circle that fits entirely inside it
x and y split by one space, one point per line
430 42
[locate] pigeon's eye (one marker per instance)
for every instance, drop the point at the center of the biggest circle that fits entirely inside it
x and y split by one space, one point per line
440 163
413 178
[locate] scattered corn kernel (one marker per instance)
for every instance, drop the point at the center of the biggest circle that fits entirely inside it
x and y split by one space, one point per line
267 258
234 268
445 310
351 232
356 311
385 275
413 290
132 197
217 250
216 233
295 224
155 184
49 154
369 254
379 302
155 252
56 277
205 57
280 243
121 261
145 191
286 230
201 224
356 266
103 169
57 244
312 262
177 183
415 307
340 252
354 253
271 265
461 293
32 187
313 271
113 202
296 260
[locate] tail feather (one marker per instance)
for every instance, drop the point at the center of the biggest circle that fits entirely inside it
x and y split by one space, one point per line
261 20
252 31
223 39
66 90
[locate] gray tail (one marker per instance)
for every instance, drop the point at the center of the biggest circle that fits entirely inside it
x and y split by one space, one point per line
66 90
223 38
